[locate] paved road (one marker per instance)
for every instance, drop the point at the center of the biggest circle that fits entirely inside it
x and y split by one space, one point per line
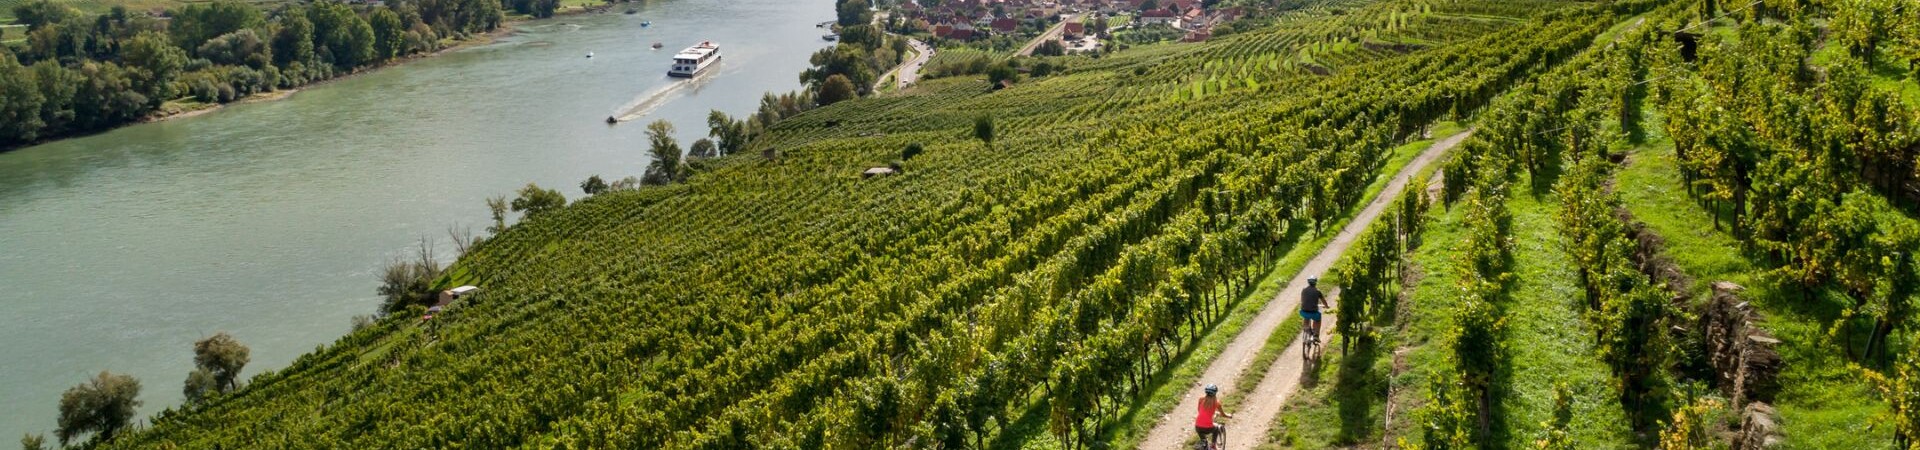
908 73
1254 412
1051 34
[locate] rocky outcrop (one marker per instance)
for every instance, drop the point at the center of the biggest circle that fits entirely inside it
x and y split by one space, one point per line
1759 428
1742 353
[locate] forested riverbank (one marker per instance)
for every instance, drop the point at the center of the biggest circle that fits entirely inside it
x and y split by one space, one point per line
75 73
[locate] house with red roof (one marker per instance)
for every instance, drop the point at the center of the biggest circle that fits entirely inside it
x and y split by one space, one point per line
1005 25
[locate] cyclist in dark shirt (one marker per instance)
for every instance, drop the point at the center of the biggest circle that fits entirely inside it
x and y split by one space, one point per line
1311 300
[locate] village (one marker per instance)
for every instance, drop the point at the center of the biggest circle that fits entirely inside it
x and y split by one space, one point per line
1076 23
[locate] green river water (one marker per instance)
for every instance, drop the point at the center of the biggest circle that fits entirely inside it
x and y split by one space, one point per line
268 220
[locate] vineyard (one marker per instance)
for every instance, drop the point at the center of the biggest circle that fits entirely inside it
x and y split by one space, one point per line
1038 288
1698 157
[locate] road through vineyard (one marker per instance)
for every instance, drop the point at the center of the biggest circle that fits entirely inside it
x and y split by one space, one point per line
1255 412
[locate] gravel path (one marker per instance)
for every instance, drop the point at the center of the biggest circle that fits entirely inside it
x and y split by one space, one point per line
1254 413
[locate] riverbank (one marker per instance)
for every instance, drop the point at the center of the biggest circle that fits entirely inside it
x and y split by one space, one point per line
204 213
195 108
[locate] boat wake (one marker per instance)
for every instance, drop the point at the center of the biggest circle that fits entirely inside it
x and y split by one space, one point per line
646 103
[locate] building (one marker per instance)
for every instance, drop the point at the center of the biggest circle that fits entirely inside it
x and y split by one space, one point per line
447 297
1161 16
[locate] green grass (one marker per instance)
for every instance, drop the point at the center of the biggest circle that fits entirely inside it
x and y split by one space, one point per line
12 33
1547 341
1821 403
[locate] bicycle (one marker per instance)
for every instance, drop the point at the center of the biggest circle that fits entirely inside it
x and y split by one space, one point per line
1220 430
1310 344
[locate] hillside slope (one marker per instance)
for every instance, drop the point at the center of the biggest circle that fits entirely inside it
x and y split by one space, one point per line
1048 273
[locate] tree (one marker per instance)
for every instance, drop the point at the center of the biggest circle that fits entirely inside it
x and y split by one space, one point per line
702 148
199 386
911 151
854 12
33 442
389 36
406 283
223 357
837 89
153 63
341 34
729 135
848 60
594 185
497 206
535 201
665 152
1001 72
20 102
198 23
39 13
1050 48
237 48
294 42
983 129
103 406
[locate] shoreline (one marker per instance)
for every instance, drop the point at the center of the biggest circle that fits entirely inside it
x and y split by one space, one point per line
506 29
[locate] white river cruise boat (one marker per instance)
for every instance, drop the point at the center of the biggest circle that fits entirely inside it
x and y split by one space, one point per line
695 59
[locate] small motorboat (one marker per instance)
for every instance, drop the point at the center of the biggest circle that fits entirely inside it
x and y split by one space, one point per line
657 45
646 23
611 120
589 54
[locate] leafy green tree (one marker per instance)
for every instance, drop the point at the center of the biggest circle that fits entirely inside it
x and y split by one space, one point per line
912 150
666 167
1050 48
405 283
837 89
340 34
593 185
153 63
728 134
703 148
33 442
294 42
497 206
197 23
854 12
389 35
222 356
534 201
983 129
39 13
237 48
199 386
849 61
1001 72
20 102
103 406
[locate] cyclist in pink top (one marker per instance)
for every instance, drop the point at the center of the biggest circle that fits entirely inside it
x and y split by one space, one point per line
1209 406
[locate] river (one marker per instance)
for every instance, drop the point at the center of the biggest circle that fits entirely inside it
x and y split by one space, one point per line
269 220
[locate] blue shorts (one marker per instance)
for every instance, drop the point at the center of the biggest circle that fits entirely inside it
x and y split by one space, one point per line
1310 315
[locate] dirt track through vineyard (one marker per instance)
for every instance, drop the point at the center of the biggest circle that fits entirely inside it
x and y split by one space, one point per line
1254 412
